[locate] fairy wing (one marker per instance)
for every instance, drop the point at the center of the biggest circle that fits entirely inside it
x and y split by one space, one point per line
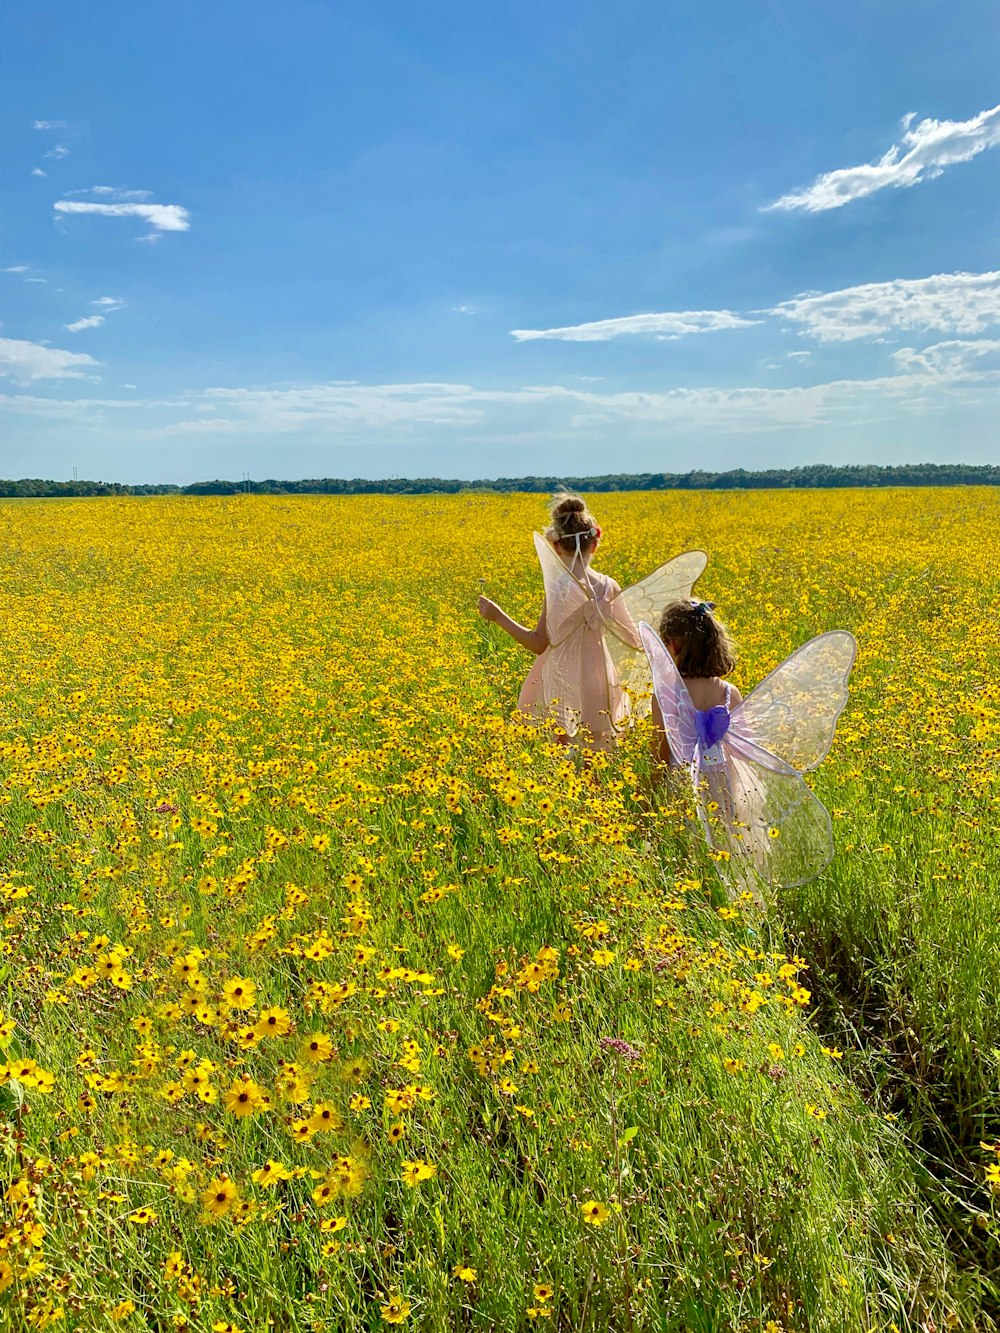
644 601
763 820
792 714
672 696
763 813
564 595
560 668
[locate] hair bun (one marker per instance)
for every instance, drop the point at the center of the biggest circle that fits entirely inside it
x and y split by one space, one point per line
569 504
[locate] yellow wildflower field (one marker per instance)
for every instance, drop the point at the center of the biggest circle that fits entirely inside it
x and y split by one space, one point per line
333 996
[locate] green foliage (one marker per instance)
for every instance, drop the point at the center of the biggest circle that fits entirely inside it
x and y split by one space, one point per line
815 476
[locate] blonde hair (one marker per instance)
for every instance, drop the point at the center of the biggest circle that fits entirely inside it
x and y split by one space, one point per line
570 518
704 648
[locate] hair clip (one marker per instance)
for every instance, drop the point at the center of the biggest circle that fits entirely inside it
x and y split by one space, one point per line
704 607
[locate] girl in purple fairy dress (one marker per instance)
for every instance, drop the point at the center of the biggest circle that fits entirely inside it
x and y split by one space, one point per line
745 757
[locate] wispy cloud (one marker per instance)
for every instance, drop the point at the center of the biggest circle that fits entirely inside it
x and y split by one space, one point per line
919 380
161 217
16 268
111 192
58 152
50 125
956 361
668 324
951 302
28 361
88 322
944 302
926 149
109 302
37 171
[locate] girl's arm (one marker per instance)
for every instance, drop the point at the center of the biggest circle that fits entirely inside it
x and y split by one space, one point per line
659 743
535 640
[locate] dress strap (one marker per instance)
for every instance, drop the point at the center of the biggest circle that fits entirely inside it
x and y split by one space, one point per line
729 695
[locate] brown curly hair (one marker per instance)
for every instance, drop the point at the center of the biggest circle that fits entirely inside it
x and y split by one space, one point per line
568 516
704 648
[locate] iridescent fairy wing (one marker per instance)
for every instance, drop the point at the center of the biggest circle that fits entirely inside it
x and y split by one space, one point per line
763 821
793 712
672 696
756 806
645 600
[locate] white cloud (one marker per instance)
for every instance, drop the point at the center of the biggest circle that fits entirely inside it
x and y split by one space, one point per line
37 171
952 302
955 362
17 268
930 146
27 361
109 302
89 322
60 151
669 324
112 192
50 125
161 217
348 407
920 381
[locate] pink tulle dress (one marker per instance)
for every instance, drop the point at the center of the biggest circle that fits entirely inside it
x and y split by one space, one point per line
593 675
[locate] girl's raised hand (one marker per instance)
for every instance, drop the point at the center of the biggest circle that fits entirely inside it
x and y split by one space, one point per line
488 610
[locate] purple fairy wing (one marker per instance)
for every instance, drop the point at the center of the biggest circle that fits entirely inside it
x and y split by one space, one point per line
645 600
679 720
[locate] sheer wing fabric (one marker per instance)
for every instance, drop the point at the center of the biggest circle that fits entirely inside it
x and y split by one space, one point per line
561 667
644 601
752 801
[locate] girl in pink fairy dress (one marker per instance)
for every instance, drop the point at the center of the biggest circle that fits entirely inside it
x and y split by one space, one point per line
591 674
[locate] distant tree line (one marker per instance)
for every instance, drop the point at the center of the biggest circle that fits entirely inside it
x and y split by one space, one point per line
819 475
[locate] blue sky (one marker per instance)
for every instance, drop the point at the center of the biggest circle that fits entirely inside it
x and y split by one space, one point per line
386 239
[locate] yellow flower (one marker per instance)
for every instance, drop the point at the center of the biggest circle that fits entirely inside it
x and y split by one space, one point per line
325 1118
395 1310
317 1047
244 1097
464 1273
415 1172
595 1214
274 1022
240 993
271 1173
219 1197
